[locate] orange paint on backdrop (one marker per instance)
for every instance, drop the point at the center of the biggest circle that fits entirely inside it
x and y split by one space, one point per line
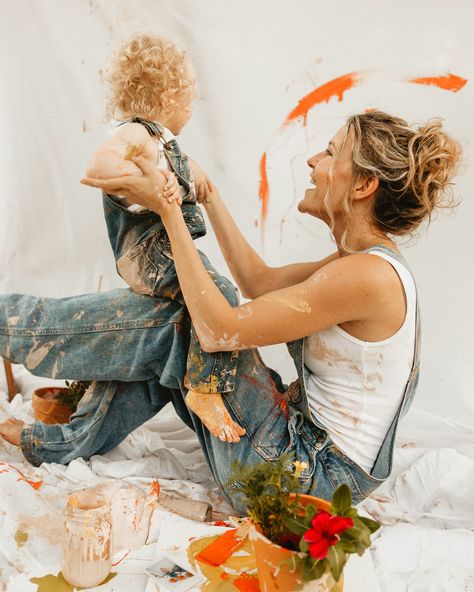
263 191
333 88
449 82
337 88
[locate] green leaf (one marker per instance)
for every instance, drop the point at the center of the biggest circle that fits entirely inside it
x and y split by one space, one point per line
342 500
307 571
371 524
310 512
304 545
348 546
319 568
359 532
336 559
294 525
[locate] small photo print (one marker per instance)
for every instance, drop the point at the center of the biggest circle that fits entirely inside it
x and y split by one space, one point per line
172 575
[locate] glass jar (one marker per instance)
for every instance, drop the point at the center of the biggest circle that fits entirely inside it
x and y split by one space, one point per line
86 547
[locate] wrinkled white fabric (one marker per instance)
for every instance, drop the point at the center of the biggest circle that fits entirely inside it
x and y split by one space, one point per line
426 506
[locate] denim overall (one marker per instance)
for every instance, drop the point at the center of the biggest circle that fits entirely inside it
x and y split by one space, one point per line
135 349
143 259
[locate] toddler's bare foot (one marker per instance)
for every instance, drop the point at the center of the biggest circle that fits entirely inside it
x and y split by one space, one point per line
11 430
211 411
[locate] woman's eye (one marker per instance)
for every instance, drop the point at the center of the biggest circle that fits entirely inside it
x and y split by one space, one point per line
327 152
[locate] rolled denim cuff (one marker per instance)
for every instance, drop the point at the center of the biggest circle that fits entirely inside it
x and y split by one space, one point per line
26 443
210 373
116 202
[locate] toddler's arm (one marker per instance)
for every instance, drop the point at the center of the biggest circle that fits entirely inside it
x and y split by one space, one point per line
112 159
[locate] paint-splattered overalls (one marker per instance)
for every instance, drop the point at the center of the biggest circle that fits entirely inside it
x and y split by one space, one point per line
143 257
136 349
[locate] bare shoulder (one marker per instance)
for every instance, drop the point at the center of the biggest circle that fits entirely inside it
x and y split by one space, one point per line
360 271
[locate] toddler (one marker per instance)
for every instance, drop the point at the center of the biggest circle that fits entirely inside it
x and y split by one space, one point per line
152 85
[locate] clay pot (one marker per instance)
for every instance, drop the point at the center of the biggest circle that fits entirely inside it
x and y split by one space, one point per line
47 409
273 576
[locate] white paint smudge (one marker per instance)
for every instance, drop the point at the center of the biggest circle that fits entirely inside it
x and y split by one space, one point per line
36 356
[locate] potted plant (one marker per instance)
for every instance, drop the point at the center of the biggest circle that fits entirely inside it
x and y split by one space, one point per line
53 404
301 542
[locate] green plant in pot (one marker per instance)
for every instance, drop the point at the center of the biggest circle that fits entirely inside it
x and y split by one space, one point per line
56 404
301 542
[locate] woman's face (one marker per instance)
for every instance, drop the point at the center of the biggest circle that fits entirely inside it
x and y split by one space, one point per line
320 164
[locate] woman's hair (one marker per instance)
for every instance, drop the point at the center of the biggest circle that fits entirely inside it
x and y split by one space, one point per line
414 168
145 76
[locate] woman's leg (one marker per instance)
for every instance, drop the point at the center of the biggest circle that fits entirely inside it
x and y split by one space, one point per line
107 413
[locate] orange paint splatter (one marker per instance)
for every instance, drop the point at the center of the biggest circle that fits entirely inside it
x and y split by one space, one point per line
34 484
247 583
155 488
337 88
449 82
333 88
263 190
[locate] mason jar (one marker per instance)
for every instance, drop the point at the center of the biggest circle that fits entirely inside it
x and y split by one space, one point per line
87 545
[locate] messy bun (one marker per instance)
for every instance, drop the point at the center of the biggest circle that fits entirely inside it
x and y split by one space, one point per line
414 167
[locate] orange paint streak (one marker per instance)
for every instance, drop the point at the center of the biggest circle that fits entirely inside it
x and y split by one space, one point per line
263 191
333 88
155 488
449 82
337 88
247 583
34 484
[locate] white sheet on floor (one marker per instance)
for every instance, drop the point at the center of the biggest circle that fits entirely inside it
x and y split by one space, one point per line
426 507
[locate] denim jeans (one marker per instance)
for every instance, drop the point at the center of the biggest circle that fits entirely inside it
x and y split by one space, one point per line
135 349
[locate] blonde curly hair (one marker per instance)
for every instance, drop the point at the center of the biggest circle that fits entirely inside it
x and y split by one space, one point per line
148 75
414 166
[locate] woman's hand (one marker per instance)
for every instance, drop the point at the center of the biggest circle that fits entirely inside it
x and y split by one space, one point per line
156 189
202 183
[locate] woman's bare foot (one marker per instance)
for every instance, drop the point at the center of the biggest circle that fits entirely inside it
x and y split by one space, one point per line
211 411
11 430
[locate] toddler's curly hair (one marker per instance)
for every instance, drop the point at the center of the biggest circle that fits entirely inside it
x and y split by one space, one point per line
145 76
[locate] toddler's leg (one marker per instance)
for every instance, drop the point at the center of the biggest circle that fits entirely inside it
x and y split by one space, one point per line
116 335
144 260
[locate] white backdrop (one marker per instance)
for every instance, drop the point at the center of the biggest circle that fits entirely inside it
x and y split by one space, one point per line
255 61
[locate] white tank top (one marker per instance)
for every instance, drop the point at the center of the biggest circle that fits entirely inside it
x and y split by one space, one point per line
356 387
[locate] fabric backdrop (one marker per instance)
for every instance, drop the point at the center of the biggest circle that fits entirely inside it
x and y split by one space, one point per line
255 62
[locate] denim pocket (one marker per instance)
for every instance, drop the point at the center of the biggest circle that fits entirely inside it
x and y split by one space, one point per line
341 469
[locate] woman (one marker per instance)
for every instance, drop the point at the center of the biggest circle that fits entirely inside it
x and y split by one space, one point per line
351 319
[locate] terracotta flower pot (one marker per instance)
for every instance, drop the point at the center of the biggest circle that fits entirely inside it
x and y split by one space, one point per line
47 408
273 576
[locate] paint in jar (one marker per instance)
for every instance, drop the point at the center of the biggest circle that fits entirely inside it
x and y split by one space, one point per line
86 544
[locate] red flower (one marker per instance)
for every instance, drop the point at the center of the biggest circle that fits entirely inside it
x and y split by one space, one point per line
324 532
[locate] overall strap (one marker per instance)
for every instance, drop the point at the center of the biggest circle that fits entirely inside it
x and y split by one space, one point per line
150 126
383 463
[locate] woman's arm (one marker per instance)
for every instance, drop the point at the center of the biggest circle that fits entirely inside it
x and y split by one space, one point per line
253 276
352 288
